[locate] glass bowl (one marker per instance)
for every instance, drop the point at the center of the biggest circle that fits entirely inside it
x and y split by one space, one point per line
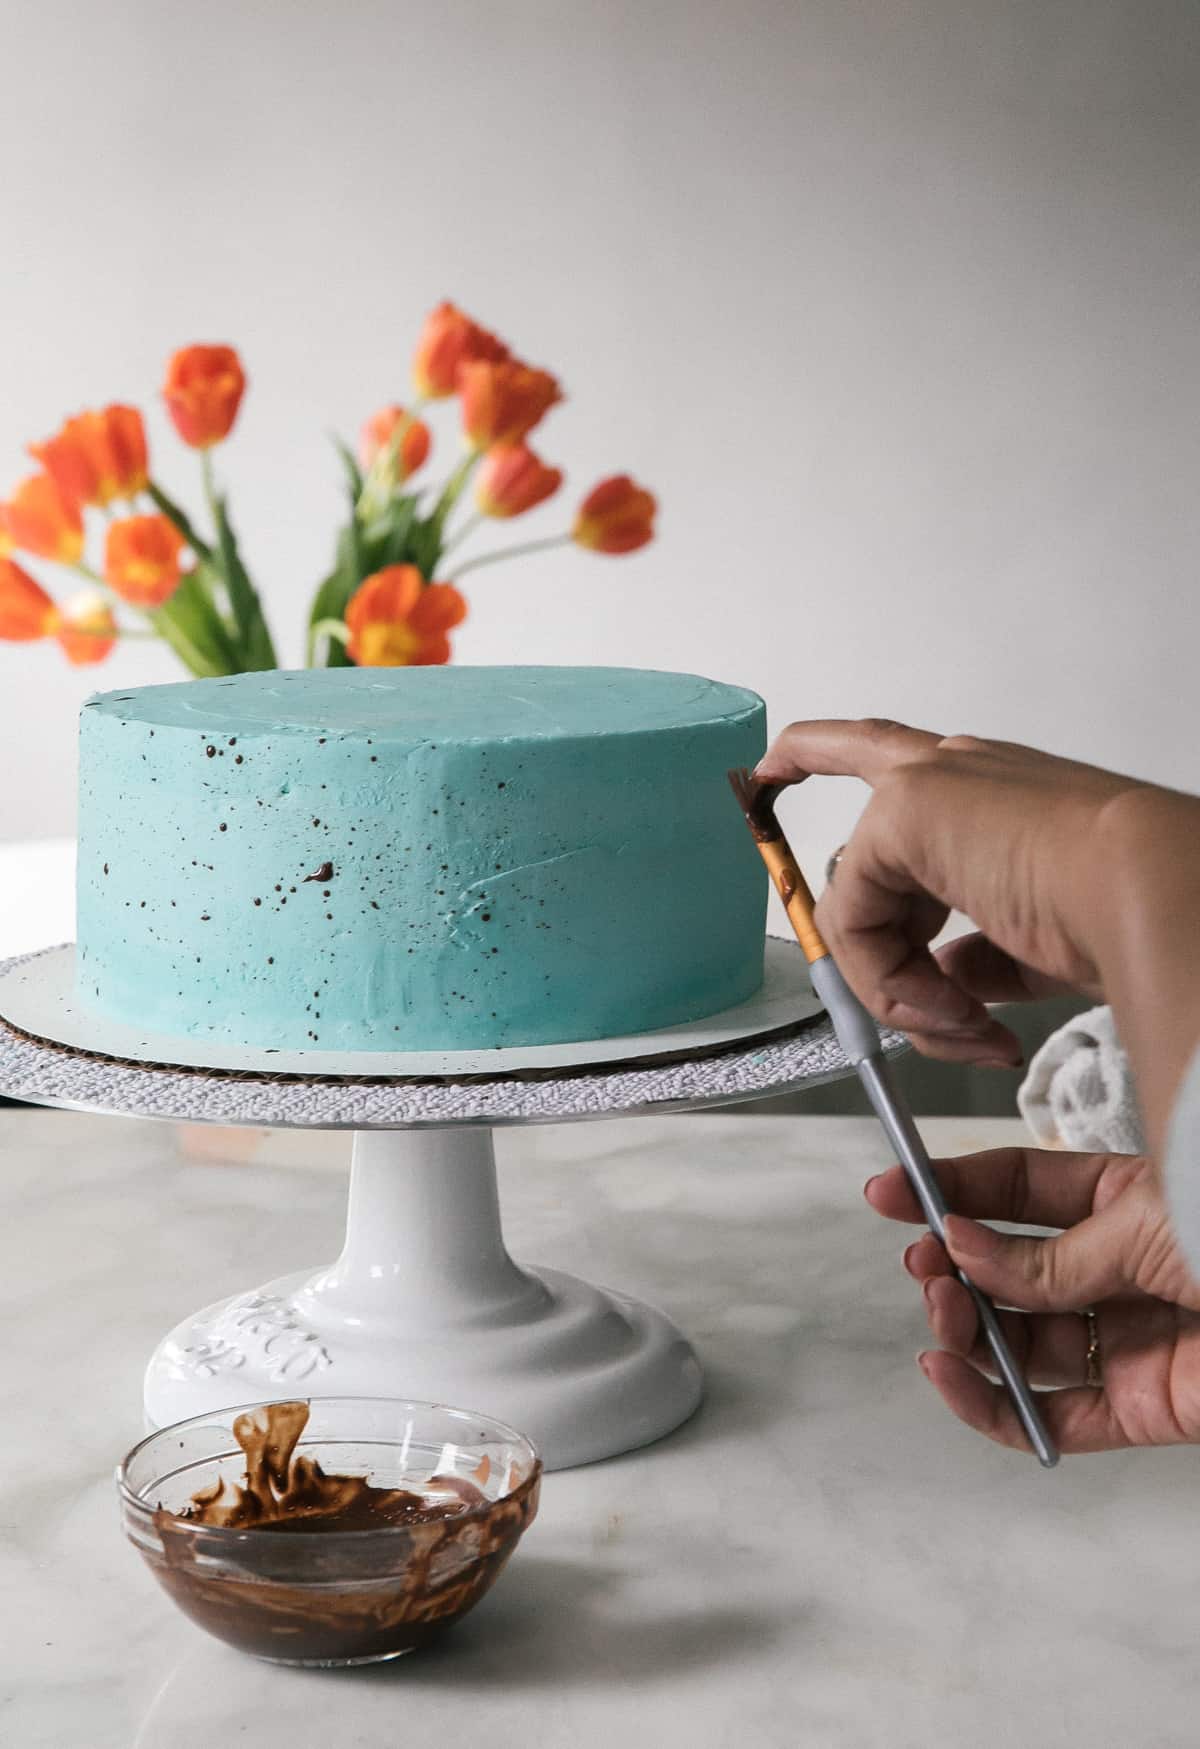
333 1597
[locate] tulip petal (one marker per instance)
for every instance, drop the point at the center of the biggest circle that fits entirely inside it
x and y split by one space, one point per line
203 391
40 518
142 559
96 457
440 608
412 441
26 611
512 480
86 630
386 597
502 402
448 341
434 651
617 516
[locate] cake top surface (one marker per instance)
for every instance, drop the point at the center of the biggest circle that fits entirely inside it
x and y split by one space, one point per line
459 704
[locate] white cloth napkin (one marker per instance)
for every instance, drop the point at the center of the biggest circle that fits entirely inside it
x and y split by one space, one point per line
1079 1090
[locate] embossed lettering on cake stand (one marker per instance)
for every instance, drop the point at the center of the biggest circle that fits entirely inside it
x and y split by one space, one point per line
260 1332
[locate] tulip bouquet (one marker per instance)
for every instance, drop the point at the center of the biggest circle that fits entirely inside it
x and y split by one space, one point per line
391 598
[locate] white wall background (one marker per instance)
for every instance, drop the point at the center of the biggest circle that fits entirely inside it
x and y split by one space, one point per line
895 303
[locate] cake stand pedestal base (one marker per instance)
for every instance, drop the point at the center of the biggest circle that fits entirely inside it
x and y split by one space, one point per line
426 1302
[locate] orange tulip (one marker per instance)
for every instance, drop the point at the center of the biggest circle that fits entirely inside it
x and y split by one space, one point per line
40 518
141 559
97 457
513 480
85 628
127 447
397 620
503 402
392 425
26 611
615 517
447 342
203 390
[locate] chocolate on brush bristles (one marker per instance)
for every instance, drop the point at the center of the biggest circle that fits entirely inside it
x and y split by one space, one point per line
757 802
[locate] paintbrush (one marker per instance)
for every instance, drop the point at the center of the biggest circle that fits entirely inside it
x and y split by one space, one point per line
859 1037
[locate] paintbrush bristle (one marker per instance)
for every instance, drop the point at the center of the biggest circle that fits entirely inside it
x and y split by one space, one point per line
757 801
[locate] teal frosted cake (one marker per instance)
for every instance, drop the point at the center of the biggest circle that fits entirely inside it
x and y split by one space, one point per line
420 858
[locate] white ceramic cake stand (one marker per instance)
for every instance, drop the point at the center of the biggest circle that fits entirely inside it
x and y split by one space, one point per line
425 1300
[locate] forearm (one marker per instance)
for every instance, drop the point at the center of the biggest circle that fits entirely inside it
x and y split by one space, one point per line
1146 923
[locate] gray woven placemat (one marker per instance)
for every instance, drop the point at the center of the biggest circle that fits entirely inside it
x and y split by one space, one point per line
48 1074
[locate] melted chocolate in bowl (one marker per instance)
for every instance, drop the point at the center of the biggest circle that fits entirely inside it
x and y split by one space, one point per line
301 1566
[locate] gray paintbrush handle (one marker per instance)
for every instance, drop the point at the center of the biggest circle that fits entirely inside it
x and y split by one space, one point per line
858 1036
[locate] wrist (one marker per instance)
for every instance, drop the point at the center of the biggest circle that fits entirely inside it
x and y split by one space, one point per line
1144 925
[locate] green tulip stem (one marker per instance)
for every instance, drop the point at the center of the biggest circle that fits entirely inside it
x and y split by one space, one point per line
533 546
460 535
453 489
210 486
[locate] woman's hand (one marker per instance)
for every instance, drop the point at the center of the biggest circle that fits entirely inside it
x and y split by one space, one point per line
995 831
1075 877
1115 1255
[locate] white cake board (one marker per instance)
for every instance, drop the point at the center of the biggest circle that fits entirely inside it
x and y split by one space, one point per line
425 1300
37 996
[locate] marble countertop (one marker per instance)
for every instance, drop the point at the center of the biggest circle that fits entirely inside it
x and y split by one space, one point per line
821 1558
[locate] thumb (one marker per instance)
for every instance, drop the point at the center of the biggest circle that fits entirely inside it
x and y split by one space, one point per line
1065 1273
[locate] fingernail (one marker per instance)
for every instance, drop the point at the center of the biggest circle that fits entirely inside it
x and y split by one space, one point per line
870 1182
927 1292
967 1238
923 1360
999 1063
908 1258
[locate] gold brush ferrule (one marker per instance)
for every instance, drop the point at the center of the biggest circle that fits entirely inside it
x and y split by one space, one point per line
798 901
758 804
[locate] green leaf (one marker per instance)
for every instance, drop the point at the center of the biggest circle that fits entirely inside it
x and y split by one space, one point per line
190 624
329 603
175 515
354 474
385 539
333 595
254 639
425 546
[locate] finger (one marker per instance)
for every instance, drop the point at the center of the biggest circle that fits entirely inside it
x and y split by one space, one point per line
1050 1350
1036 1187
836 748
927 1257
901 982
1078 1420
1065 1273
992 1046
879 933
985 971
